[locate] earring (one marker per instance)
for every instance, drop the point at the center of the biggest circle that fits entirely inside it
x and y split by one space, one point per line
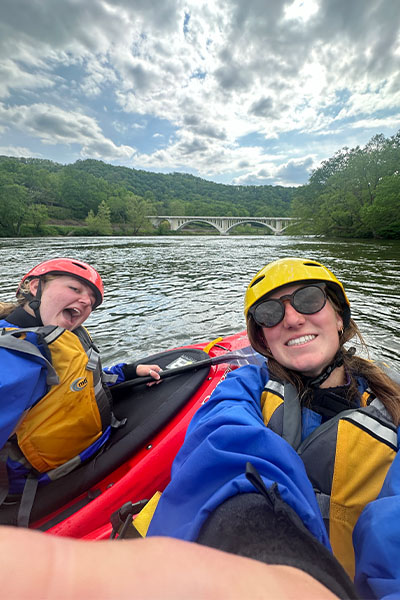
340 332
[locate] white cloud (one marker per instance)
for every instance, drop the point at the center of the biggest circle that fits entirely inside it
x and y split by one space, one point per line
54 126
18 152
214 71
294 172
301 10
377 123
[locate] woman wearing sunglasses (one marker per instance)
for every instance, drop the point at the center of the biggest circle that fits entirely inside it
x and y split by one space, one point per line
318 423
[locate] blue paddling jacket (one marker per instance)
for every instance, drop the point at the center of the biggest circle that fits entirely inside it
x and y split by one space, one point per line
230 430
31 371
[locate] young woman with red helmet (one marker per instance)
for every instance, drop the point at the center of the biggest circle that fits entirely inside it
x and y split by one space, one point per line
56 408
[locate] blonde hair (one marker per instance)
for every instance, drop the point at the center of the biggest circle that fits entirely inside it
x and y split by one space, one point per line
380 384
23 297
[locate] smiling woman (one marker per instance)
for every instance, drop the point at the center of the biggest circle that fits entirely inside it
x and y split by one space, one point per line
334 407
314 411
56 409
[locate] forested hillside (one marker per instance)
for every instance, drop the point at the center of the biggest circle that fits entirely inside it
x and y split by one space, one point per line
37 196
356 193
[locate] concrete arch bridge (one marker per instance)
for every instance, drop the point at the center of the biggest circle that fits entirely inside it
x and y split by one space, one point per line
225 224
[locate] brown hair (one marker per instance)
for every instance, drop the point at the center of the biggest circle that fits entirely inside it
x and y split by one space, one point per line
381 385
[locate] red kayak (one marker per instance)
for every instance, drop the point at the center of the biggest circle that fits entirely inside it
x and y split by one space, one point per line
136 461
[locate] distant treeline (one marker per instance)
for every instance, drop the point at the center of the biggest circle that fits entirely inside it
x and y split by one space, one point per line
354 194
40 197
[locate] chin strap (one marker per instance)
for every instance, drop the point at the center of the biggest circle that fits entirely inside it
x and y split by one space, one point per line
337 362
34 304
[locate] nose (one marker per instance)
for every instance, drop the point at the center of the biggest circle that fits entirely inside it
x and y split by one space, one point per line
292 318
85 298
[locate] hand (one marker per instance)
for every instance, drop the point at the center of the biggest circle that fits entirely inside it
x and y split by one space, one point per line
149 371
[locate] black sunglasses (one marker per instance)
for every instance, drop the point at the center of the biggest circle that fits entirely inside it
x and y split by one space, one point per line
306 300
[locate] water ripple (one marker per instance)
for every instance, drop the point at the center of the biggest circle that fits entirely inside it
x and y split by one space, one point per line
167 291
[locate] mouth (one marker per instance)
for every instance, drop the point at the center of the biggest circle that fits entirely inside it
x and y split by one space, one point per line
301 340
71 314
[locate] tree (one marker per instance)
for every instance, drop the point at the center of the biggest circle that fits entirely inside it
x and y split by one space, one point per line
176 207
383 216
13 205
100 224
137 211
37 215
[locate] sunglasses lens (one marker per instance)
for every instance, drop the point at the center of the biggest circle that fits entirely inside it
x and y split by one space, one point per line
309 300
269 313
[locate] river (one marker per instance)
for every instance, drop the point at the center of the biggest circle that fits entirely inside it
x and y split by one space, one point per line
163 292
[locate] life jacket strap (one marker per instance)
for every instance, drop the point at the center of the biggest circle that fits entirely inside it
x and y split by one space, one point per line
4 483
11 341
27 499
28 495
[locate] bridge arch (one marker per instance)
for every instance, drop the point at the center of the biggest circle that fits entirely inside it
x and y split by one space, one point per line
245 221
199 220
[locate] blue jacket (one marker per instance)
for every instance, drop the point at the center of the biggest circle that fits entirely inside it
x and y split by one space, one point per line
227 432
23 382
376 541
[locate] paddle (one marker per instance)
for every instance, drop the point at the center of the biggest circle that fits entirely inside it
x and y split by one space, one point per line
194 366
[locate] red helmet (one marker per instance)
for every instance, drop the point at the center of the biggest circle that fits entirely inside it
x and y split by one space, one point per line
69 266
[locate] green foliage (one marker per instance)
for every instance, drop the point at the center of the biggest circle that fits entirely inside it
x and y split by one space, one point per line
99 224
382 217
38 216
13 204
355 193
130 212
137 210
73 193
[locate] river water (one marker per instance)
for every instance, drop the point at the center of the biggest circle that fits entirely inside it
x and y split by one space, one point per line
163 292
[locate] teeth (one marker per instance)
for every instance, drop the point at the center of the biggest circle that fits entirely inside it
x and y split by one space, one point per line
301 340
74 312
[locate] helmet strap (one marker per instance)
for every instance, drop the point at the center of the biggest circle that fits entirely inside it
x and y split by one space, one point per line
337 362
34 304
317 381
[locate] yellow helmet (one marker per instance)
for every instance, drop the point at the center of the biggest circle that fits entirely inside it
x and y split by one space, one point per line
294 270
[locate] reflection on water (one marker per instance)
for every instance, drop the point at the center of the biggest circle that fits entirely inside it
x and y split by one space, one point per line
167 291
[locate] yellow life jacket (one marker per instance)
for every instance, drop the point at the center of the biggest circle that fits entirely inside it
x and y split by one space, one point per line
346 458
76 409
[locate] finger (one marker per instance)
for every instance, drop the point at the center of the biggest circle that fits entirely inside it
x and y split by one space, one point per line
153 373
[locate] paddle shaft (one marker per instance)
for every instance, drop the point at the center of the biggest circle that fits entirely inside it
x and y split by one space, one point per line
194 366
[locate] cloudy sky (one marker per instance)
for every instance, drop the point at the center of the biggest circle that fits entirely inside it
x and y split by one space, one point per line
235 91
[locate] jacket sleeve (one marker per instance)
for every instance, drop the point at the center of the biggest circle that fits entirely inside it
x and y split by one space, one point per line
376 540
226 433
124 371
22 384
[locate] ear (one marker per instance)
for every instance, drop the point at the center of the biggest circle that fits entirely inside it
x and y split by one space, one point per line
339 322
33 286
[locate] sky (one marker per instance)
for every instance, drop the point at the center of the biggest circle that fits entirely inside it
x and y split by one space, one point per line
244 92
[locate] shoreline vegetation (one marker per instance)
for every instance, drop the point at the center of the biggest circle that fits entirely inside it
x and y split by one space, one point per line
354 194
